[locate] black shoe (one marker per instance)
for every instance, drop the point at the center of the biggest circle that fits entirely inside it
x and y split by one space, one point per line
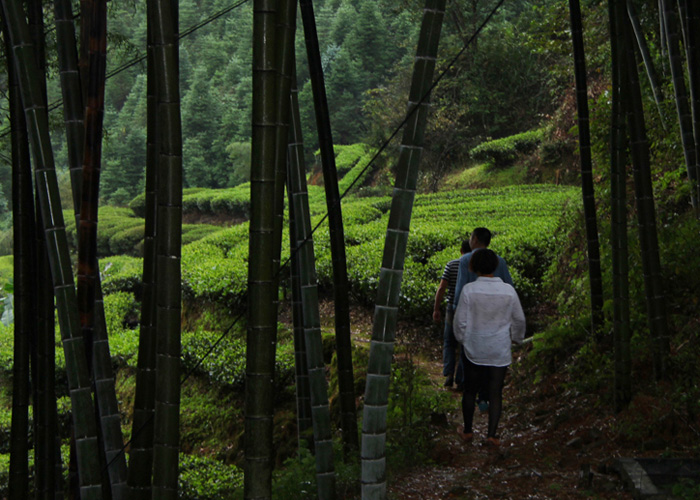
449 381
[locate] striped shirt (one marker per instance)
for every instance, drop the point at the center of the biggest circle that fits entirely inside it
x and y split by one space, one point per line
450 275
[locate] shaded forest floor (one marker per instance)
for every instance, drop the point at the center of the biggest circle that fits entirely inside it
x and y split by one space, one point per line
556 442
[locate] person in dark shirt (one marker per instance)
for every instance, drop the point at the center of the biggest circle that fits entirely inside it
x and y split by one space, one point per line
447 288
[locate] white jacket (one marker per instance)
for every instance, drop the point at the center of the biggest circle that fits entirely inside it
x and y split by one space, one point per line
488 317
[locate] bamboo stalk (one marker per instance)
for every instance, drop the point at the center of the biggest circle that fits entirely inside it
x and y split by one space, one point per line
646 218
25 327
141 454
618 192
341 286
311 319
587 186
262 322
373 475
166 439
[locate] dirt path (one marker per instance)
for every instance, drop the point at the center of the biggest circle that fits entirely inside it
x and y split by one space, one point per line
554 445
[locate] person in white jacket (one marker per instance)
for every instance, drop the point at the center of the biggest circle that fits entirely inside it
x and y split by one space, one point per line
487 319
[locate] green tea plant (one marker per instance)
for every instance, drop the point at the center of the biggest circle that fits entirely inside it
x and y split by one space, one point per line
504 151
205 478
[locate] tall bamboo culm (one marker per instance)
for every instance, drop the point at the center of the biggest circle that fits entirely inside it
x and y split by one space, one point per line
341 286
92 319
587 187
57 245
311 317
301 371
648 61
690 22
141 454
262 322
295 162
373 450
685 119
25 327
618 191
646 215
166 438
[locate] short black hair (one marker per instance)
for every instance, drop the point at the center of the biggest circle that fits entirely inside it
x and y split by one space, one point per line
483 235
483 261
466 247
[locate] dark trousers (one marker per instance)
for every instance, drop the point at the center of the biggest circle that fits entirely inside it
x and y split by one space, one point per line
495 375
449 350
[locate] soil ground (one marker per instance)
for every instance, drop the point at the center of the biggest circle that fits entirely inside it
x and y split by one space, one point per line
556 443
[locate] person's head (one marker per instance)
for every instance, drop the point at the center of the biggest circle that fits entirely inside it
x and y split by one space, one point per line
483 262
481 238
466 248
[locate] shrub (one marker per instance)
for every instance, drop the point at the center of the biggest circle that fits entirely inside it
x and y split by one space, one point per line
194 232
121 273
234 202
138 204
126 241
6 269
504 151
204 478
226 364
120 309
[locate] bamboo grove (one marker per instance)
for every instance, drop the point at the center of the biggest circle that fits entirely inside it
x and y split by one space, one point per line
98 466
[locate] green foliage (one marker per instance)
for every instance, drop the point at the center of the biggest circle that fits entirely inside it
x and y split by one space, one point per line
120 310
138 204
412 402
239 158
686 489
297 478
202 478
6 270
194 232
234 202
125 241
123 172
215 268
227 367
124 347
504 151
120 273
6 236
7 343
5 474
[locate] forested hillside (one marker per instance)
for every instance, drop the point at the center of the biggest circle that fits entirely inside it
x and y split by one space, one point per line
500 87
504 146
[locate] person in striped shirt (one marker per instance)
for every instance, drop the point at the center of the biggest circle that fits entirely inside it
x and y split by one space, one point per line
450 344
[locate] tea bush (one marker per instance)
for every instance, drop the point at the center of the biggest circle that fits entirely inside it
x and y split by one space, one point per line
203 478
121 273
226 367
504 151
